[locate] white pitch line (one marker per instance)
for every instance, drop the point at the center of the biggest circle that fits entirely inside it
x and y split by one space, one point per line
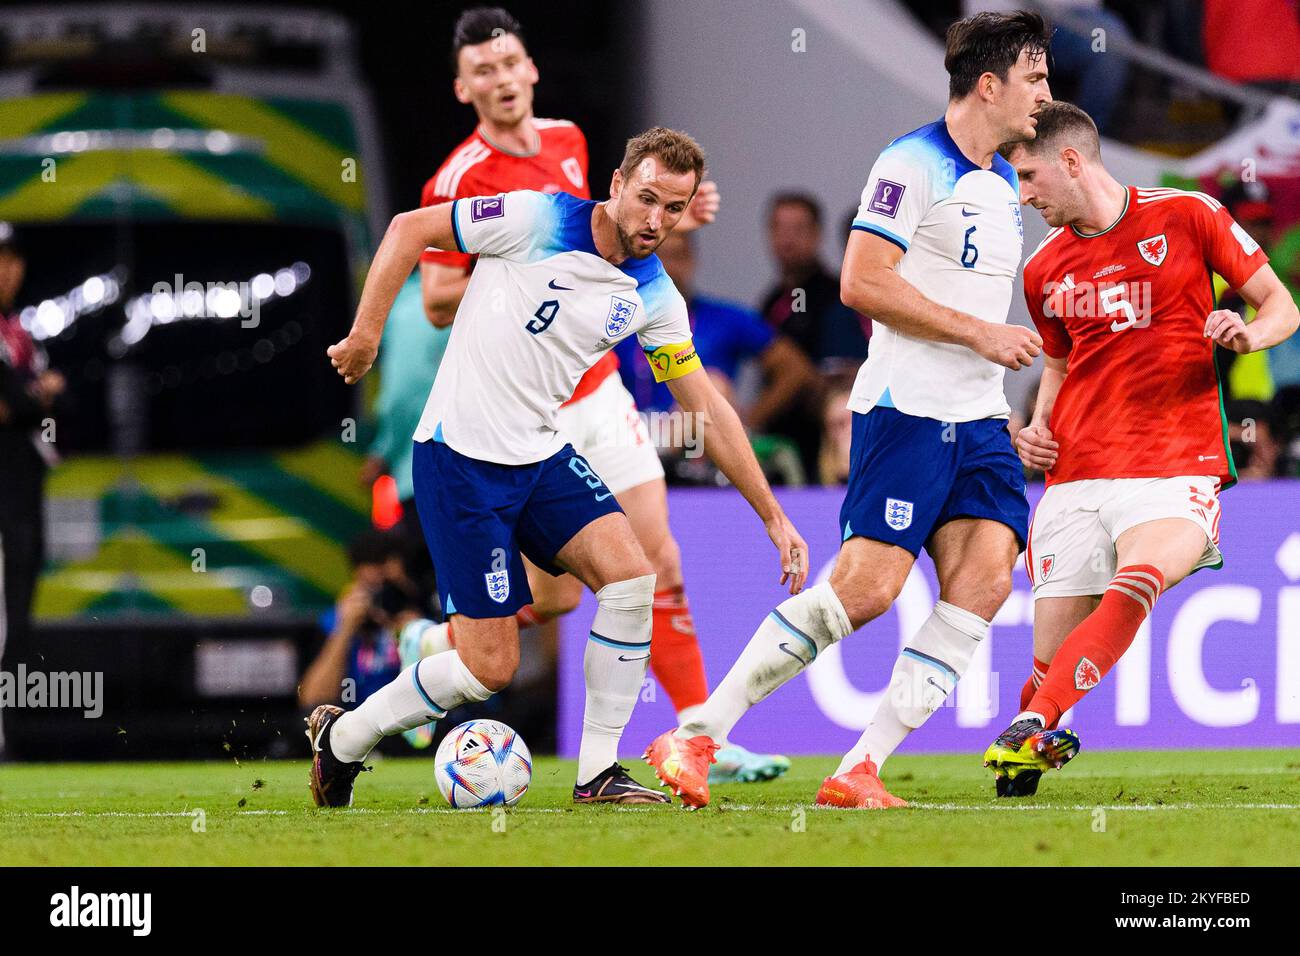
1113 806
724 808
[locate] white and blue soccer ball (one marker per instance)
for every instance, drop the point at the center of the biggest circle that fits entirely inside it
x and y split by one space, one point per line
483 763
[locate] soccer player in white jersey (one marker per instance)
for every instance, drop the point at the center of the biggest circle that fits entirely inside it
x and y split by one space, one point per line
931 258
559 282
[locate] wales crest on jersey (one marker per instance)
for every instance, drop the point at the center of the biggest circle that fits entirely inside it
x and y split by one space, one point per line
620 316
898 514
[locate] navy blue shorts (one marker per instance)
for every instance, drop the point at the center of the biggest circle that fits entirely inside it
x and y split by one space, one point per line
479 516
908 476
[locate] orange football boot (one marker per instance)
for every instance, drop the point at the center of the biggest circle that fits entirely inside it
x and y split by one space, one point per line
859 788
683 766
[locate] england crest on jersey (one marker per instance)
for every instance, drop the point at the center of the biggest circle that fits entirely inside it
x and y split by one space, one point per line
898 514
620 316
1154 249
498 585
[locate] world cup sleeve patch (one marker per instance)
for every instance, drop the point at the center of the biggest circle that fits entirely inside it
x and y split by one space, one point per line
672 361
886 198
487 207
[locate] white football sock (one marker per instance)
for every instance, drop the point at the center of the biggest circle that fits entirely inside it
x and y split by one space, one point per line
423 692
787 641
618 653
924 675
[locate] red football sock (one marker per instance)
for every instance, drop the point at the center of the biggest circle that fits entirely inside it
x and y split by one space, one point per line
1098 642
529 616
1031 685
674 652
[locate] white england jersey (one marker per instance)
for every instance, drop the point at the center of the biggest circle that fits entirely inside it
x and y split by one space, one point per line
541 307
960 230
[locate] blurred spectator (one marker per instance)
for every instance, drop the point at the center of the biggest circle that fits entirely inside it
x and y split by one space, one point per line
726 336
1247 376
1284 358
1082 33
805 306
28 392
409 355
1253 435
360 653
837 432
1254 41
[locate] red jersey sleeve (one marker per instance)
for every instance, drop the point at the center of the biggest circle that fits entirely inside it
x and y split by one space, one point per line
1229 249
1056 340
582 158
429 197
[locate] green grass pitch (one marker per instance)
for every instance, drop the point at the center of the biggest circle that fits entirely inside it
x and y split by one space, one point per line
1185 808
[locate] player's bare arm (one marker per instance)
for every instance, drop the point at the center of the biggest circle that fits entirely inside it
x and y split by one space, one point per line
870 284
1276 316
1034 443
409 234
441 289
728 446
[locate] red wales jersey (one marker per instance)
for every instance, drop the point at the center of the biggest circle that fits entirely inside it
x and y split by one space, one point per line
477 167
1127 308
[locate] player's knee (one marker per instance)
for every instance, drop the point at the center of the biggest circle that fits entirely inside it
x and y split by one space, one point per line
866 601
983 595
493 667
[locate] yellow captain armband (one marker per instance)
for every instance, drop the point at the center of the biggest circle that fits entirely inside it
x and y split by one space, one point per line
672 361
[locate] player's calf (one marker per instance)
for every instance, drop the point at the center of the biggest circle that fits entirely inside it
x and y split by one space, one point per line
1093 647
614 665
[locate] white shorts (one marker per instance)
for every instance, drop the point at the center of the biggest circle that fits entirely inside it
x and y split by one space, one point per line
1073 533
606 429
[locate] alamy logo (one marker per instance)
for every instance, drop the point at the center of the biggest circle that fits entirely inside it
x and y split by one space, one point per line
72 690
620 316
898 514
498 579
75 908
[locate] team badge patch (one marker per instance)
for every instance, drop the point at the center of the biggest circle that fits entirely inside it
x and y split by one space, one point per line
573 169
498 585
886 198
1045 566
1020 222
487 207
620 316
898 514
1087 675
1154 249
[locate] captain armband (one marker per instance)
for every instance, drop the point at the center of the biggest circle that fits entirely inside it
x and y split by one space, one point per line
672 361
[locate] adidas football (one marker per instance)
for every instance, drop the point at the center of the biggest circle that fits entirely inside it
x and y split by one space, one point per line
482 763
